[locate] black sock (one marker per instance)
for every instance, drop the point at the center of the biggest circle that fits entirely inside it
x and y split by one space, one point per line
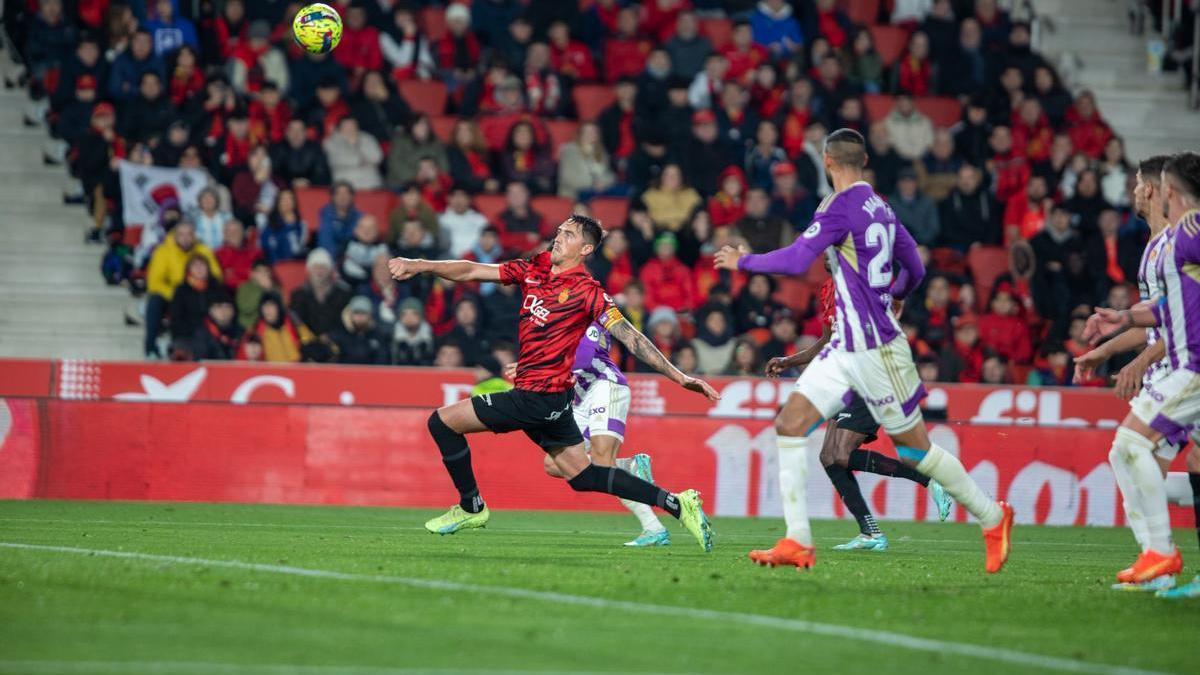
1194 479
847 487
877 462
456 455
625 485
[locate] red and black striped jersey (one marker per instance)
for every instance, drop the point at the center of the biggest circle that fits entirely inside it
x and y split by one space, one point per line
828 301
555 311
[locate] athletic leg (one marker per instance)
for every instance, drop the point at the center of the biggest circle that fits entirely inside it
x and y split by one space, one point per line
448 426
870 461
604 450
835 453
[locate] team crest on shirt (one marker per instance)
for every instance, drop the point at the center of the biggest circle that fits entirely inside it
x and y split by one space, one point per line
562 297
813 230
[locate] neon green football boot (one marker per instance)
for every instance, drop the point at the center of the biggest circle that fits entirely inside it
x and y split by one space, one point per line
457 519
691 516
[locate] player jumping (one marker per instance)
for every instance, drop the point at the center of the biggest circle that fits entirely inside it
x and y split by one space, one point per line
560 300
1139 379
869 355
601 407
841 454
1172 405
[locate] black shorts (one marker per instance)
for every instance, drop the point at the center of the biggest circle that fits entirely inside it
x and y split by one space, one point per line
546 418
857 417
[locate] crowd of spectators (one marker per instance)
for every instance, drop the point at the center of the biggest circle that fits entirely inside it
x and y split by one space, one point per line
711 131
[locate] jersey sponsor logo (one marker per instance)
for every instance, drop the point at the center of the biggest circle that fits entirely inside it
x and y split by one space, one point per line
890 399
598 411
538 312
813 230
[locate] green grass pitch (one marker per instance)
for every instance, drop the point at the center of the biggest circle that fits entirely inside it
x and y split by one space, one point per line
190 588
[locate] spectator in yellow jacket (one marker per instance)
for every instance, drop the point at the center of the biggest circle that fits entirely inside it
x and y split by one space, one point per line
168 266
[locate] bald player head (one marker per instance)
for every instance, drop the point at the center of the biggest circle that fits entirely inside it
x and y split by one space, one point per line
845 157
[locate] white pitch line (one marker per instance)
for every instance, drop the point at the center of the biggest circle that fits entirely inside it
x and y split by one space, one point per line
502 530
759 620
219 668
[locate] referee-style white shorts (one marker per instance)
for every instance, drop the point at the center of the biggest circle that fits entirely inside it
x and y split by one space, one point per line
601 409
885 377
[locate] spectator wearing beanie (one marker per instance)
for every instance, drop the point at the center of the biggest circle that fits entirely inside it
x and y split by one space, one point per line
662 327
668 281
458 51
962 358
1001 329
714 339
728 204
412 338
789 200
320 301
219 334
363 249
255 62
357 340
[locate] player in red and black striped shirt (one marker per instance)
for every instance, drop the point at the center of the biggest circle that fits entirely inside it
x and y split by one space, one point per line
841 454
560 299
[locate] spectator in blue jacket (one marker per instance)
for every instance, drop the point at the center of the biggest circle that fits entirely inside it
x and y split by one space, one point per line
50 41
128 68
775 28
283 237
337 220
171 31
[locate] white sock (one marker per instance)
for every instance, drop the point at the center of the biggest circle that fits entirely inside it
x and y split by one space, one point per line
1130 496
1179 489
793 485
947 470
1138 454
645 514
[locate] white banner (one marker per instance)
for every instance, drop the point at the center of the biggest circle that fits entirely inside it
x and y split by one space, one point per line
145 189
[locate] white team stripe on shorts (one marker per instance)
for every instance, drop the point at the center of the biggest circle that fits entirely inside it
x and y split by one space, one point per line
900 640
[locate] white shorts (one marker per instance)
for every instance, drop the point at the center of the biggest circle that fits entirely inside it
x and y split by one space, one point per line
601 409
886 378
1170 406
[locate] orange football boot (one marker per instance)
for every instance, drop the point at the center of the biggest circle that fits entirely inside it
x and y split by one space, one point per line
997 541
786 552
1152 564
1125 576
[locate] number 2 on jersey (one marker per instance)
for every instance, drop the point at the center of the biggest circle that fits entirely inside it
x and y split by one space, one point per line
879 270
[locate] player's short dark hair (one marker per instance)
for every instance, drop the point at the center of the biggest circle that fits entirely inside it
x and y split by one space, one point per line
589 228
1151 168
847 147
1184 171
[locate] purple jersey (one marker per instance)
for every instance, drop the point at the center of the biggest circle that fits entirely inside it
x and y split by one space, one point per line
593 361
864 243
1149 287
1177 307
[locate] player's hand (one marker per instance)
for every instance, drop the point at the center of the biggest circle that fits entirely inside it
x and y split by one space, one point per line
700 387
1129 380
727 258
510 371
1105 323
776 366
1085 365
402 269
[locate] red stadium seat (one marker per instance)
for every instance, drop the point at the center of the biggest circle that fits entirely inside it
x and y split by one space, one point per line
877 106
378 203
554 209
718 31
433 21
561 131
310 201
862 12
591 100
427 97
612 212
943 111
948 260
986 264
490 205
443 127
890 42
291 275
795 294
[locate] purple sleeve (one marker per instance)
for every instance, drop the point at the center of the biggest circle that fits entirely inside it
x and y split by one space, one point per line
796 258
905 256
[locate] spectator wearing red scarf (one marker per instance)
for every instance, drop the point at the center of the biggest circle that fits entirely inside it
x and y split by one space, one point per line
625 53
458 50
269 114
1088 130
359 49
617 121
914 73
327 109
1002 331
1026 212
1031 132
570 58
435 185
659 17
833 24
728 205
185 80
234 148
1114 259
232 29
1010 169
796 114
743 54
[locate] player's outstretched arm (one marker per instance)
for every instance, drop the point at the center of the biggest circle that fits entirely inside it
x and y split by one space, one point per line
1087 363
777 365
1129 380
1109 323
641 347
454 270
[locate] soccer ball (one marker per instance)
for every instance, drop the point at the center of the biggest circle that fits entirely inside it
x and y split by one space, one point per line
317 28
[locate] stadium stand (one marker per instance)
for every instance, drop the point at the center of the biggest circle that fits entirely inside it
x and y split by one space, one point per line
684 127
